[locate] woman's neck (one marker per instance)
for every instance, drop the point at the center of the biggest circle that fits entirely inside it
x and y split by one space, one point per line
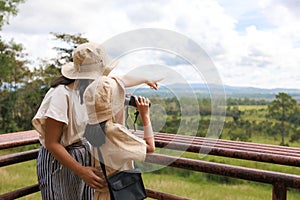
72 86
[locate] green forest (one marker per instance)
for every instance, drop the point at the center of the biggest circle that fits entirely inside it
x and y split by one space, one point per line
22 90
275 122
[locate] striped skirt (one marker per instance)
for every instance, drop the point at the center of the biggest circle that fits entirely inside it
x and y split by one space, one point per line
57 182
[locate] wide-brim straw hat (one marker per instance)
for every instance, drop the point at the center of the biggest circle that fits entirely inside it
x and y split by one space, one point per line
89 62
104 98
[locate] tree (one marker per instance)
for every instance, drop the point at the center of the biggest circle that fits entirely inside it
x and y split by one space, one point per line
9 52
12 69
50 69
71 42
22 90
234 112
12 64
14 74
296 136
281 109
8 8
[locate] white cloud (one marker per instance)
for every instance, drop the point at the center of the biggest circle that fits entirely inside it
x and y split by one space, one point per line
247 40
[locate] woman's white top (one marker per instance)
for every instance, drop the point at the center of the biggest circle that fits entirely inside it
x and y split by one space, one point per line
62 104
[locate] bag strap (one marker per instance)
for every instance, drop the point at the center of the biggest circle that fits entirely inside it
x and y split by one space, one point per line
101 162
102 124
104 171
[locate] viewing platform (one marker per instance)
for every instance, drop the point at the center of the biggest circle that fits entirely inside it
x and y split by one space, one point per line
281 155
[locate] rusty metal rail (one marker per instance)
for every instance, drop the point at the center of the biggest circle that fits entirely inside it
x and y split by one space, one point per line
18 157
280 181
18 139
163 196
35 188
31 137
20 192
243 150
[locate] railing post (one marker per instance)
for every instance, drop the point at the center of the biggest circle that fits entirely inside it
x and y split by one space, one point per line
279 191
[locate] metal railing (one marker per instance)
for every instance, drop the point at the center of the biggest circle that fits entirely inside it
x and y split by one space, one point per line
243 150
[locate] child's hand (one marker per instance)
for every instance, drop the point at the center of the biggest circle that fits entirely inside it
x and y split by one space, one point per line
143 108
153 83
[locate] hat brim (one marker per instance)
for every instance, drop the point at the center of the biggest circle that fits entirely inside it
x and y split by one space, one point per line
69 70
110 67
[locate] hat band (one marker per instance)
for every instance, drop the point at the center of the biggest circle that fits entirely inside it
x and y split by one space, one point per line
89 67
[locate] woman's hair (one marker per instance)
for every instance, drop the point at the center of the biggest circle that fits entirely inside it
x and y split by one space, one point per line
61 81
82 84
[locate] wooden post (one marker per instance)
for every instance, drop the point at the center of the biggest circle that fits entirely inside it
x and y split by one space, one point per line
279 191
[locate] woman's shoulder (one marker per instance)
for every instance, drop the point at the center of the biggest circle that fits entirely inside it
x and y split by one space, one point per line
55 96
58 91
61 89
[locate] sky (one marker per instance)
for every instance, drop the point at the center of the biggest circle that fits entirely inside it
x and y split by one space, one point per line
253 43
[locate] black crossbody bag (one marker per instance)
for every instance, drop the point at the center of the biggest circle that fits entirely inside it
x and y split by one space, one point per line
124 185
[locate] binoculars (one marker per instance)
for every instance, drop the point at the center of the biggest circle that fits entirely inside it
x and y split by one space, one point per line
130 101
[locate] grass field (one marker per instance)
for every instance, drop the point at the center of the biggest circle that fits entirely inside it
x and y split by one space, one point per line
205 190
252 107
194 185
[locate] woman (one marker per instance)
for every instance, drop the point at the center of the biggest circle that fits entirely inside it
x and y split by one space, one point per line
63 163
104 101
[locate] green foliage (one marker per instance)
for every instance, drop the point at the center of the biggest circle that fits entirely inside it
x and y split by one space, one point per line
22 90
8 8
281 109
242 122
70 43
234 112
296 136
12 64
14 75
245 101
283 106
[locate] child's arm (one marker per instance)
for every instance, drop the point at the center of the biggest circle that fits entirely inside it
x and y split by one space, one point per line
130 81
143 108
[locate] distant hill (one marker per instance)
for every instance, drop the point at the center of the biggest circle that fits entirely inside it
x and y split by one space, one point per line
201 90
259 93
